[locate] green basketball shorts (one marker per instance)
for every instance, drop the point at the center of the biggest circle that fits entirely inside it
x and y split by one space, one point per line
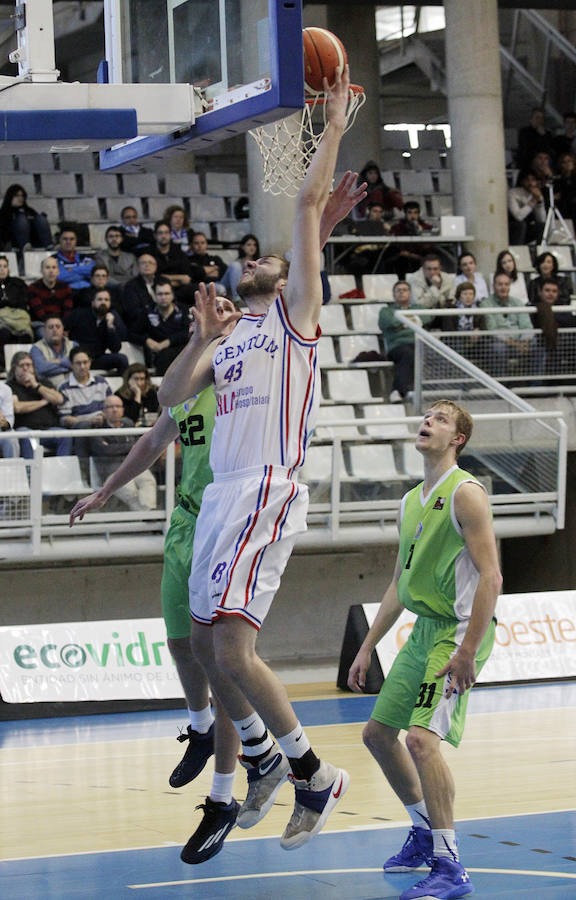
178 548
412 695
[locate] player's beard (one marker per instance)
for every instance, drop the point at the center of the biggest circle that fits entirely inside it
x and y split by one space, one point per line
260 284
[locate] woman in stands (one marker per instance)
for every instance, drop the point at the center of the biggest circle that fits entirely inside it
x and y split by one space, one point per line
468 272
139 395
176 218
506 263
21 226
248 248
547 267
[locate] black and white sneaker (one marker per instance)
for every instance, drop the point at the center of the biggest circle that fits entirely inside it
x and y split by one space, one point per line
208 839
199 750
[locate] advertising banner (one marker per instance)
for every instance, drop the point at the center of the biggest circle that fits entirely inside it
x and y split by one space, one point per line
117 660
535 637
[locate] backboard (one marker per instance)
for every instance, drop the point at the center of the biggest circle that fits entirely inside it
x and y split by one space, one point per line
244 59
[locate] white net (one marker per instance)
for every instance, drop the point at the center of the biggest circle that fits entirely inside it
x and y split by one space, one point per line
288 145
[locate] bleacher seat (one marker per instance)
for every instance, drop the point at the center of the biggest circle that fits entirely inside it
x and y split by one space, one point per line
11 349
331 414
97 231
373 462
348 386
36 162
143 184
444 182
393 159
61 475
413 463
204 227
416 183
158 205
425 159
59 184
395 140
7 164
341 284
232 231
81 209
132 352
318 465
12 262
365 317
431 139
379 287
78 162
383 412
521 254
353 344
185 183
222 184
13 481
441 205
333 319
28 182
99 184
326 353
114 381
115 205
48 206
33 262
210 208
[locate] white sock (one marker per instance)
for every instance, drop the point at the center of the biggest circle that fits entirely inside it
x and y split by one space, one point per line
445 843
295 744
221 790
252 732
201 719
419 814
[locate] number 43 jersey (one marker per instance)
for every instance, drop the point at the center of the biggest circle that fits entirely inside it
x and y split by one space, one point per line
267 384
195 421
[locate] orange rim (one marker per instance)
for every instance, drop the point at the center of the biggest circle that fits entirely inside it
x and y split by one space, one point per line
320 98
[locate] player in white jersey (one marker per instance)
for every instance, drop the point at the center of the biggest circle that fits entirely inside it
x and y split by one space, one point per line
266 379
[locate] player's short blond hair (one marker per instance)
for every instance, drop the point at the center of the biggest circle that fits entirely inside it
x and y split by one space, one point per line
463 420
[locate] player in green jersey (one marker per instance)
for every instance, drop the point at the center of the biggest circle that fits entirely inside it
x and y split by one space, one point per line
447 572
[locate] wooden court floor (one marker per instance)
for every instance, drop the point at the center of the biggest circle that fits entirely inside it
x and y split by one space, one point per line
87 808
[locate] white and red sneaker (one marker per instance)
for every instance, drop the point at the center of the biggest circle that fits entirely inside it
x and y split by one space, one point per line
315 800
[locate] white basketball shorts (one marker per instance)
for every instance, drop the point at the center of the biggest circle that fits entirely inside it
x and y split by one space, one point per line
245 533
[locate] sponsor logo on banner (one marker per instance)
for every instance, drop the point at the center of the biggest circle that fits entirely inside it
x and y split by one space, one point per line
535 637
116 660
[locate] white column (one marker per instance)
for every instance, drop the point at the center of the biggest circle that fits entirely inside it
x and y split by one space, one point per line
475 113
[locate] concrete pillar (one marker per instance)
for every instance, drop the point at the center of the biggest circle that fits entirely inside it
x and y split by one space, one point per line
271 217
475 113
355 25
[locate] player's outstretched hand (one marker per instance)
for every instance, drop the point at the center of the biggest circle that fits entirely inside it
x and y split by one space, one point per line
337 97
461 669
87 504
211 317
344 197
357 672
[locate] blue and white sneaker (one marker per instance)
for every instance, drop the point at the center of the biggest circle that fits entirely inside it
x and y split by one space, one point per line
264 782
315 800
417 851
447 880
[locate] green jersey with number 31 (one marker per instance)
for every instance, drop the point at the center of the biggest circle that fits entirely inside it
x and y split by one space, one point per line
195 420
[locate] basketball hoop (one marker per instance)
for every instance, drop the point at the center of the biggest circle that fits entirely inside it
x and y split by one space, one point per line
288 145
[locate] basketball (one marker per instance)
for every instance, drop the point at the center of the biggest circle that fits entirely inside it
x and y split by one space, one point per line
323 54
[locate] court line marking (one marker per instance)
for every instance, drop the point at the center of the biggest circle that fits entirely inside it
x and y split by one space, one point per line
337 872
270 837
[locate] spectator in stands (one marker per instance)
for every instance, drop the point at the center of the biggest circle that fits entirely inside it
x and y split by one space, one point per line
173 264
468 272
368 257
541 167
565 142
166 327
139 395
547 267
374 223
109 450
526 210
213 266
403 258
99 281
139 296
100 331
84 393
8 447
557 346
48 296
73 269
51 354
565 191
37 404
431 287
505 262
120 264
137 238
532 138
521 344
21 226
377 192
177 219
15 324
399 341
248 248
470 344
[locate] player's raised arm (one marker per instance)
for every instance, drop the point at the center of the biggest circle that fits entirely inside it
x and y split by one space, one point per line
304 289
145 451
